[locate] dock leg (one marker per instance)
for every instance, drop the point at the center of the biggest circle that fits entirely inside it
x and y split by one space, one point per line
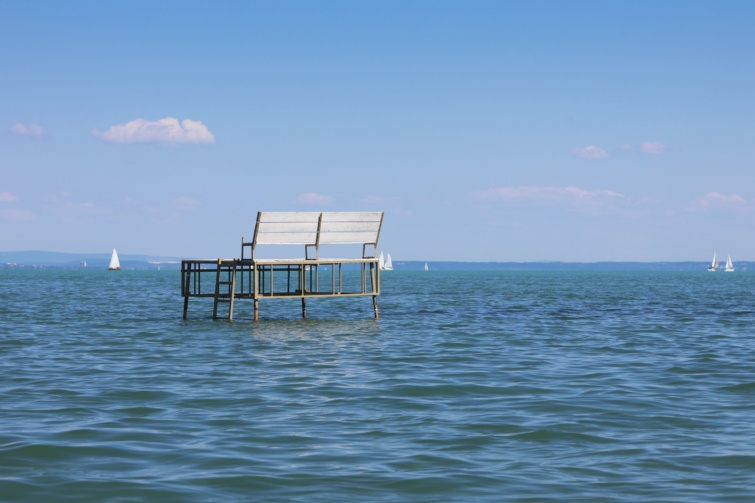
303 307
186 284
232 292
374 305
256 287
218 273
372 277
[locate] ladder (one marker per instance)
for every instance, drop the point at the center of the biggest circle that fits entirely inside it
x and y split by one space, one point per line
225 287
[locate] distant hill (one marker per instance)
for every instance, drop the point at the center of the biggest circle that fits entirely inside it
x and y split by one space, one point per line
57 260
560 266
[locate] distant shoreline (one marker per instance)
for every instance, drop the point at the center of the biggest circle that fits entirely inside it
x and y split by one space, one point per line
58 260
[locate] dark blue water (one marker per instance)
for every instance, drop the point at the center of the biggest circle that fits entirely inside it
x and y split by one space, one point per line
472 386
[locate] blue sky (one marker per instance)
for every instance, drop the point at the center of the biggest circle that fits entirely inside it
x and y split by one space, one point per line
486 130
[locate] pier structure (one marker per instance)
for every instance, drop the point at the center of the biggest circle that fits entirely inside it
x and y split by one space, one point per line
251 277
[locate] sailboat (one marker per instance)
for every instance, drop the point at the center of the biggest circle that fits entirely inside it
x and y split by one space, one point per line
714 264
385 264
388 266
426 268
729 265
115 264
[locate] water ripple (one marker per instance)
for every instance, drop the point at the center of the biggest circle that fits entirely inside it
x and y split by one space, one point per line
471 386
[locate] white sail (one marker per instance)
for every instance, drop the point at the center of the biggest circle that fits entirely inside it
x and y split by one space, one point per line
729 265
426 268
381 262
115 264
714 263
388 263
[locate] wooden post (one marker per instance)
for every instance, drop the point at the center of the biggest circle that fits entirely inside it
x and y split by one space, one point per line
217 289
304 307
232 291
185 285
364 277
372 277
374 305
256 291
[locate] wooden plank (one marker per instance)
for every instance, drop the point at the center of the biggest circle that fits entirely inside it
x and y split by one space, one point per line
289 216
349 226
282 228
347 237
352 216
287 227
287 238
313 229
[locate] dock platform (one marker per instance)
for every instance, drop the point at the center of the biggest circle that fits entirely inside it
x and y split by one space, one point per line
248 277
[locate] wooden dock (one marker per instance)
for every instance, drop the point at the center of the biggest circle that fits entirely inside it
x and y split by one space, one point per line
249 277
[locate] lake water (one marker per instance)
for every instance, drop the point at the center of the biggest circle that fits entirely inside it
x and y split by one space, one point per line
472 386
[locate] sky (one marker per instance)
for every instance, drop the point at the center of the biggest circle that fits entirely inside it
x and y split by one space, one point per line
485 130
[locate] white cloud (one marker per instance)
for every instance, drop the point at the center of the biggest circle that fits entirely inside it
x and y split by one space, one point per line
17 215
167 130
7 197
715 204
588 201
547 194
313 198
34 130
652 147
590 152
713 200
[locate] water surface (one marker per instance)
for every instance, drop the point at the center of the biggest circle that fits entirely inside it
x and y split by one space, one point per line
472 386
